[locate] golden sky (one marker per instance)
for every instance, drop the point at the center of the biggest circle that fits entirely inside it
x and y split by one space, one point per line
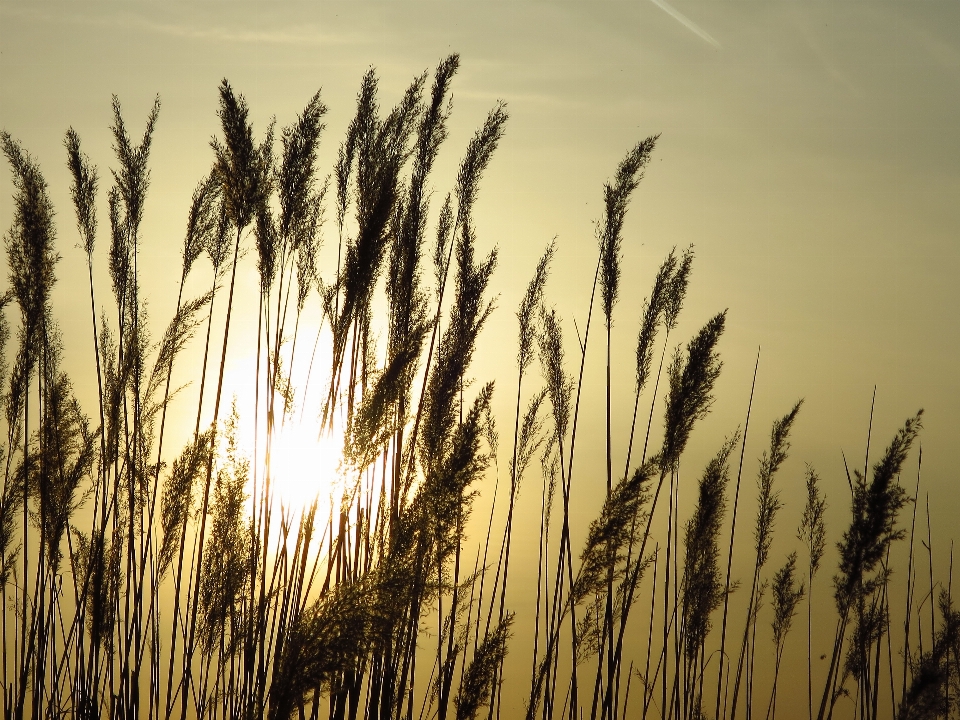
809 151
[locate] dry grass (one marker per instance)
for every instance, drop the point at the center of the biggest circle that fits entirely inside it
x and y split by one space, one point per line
143 582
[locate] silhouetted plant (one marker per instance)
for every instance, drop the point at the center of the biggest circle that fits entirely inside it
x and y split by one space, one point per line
813 535
875 507
787 593
121 558
768 506
482 670
702 582
929 693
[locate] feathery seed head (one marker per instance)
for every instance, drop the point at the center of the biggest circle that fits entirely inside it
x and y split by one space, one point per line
242 168
176 501
308 246
468 315
444 235
296 176
702 586
83 190
10 504
532 300
769 501
481 673
479 152
787 593
812 532
875 508
653 310
610 532
132 178
268 246
931 691
559 383
616 196
218 243
361 125
29 241
691 385
678 289
531 437
119 260
433 124
202 221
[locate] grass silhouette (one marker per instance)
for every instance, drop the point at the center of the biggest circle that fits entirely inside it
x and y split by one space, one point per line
140 582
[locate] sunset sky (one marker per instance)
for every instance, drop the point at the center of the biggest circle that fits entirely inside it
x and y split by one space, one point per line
810 152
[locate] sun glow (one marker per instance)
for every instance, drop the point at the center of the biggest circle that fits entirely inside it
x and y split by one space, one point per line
305 465
301 462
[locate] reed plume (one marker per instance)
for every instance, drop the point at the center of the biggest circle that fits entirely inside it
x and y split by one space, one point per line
876 505
929 693
702 583
813 534
616 197
768 506
691 386
787 593
475 688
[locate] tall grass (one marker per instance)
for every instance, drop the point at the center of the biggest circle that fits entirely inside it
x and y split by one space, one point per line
143 581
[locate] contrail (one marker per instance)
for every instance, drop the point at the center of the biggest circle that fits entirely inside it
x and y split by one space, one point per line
686 22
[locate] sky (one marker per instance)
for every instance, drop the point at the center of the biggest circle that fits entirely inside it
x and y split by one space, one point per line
809 151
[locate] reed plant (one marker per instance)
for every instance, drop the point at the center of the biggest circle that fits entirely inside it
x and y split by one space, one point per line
140 580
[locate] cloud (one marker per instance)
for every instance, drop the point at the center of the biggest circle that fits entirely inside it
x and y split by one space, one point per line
305 34
686 22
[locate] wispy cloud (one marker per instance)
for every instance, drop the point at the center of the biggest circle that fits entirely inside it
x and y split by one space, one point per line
686 22
307 34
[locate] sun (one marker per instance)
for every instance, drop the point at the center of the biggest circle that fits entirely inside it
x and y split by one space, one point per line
305 464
